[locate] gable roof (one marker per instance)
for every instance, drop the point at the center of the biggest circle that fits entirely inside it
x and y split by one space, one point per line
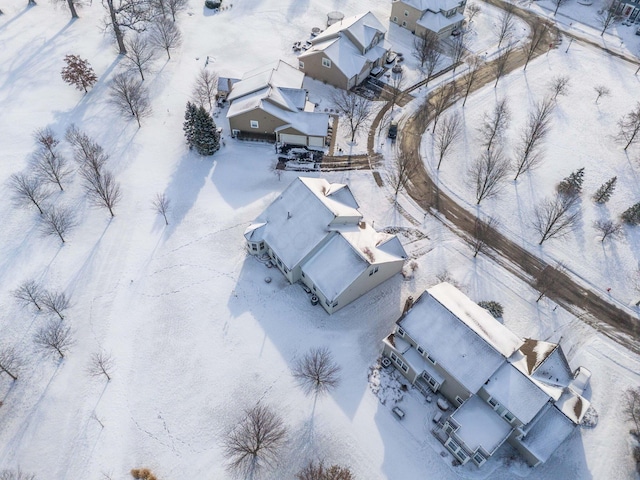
436 22
280 75
362 28
547 433
480 425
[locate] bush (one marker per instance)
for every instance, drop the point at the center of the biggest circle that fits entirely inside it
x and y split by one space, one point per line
212 4
495 309
142 474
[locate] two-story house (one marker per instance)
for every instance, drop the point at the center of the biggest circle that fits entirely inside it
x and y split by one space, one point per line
346 52
315 234
441 17
503 388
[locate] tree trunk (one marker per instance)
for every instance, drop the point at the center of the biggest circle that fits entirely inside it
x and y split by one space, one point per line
14 377
116 28
72 9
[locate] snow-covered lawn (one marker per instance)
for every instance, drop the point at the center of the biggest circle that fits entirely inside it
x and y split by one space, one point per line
195 332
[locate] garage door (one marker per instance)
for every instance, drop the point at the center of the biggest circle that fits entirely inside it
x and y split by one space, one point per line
293 139
316 142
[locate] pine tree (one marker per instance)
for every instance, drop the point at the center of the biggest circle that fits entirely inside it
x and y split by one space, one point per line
632 214
78 73
206 139
572 185
188 125
605 191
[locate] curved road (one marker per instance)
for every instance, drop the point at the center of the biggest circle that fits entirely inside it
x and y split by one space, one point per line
587 304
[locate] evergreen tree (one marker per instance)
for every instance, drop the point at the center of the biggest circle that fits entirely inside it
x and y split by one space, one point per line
206 139
189 121
632 214
605 191
572 185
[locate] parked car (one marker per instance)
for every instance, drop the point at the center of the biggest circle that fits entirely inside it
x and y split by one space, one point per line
638 31
398 412
393 130
391 57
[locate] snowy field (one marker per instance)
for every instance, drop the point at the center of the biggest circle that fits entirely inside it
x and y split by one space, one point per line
195 332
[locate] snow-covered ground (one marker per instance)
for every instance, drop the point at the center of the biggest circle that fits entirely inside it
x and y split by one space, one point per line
195 332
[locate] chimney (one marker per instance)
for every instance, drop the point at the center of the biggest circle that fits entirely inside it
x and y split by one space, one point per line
407 305
288 215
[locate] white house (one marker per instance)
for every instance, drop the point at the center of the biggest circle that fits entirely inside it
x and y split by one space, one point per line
315 234
503 388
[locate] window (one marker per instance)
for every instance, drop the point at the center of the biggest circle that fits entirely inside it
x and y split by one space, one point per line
432 382
404 367
335 304
406 13
479 458
261 245
493 402
254 124
327 302
431 359
300 65
459 401
509 416
404 24
462 455
449 429
254 247
420 350
395 19
394 357
400 332
373 270
302 273
326 62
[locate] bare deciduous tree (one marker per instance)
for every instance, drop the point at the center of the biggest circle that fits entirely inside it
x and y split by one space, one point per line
607 228
482 231
500 63
101 188
204 90
139 53
126 14
161 204
101 364
557 3
447 133
317 471
629 126
28 190
129 96
400 172
494 124
17 474
506 24
55 302
608 15
601 91
631 409
426 49
54 337
47 140
555 217
559 86
441 101
472 11
71 5
164 34
317 372
356 109
527 153
57 221
10 362
176 6
487 174
51 168
458 48
539 30
29 293
396 84
475 63
255 443
548 279
87 153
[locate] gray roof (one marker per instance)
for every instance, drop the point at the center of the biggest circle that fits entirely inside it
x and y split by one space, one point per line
548 432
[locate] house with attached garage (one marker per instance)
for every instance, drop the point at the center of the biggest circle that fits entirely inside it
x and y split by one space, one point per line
347 52
270 104
441 17
314 233
503 388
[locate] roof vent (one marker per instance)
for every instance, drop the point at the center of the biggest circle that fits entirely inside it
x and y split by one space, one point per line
288 215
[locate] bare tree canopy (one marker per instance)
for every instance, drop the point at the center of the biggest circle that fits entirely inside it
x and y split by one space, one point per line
629 126
161 204
101 189
401 169
482 231
101 364
204 90
475 63
87 153
140 52
129 14
10 362
441 100
494 124
607 228
500 64
555 217
608 15
447 133
78 73
28 190
17 474
506 24
317 471
57 221
472 11
51 167
55 302
317 372
71 5
29 293
528 153
129 96
457 50
558 3
396 84
548 279
631 408
559 85
356 109
164 34
426 49
539 30
487 174
255 443
54 337
601 91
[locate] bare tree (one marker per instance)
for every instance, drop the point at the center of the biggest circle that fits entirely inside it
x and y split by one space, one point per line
506 24
559 85
57 221
204 90
555 217
101 364
29 293
608 15
500 64
557 3
631 409
602 91
447 133
629 126
101 188
176 6
126 14
139 53
54 337
396 85
87 153
426 49
164 34
78 72
441 101
527 152
317 372
55 302
401 169
28 190
356 109
129 96
10 362
482 231
161 204
487 174
317 471
472 10
494 124
47 140
539 31
255 443
458 48
548 279
71 4
50 167
607 228
17 474
475 63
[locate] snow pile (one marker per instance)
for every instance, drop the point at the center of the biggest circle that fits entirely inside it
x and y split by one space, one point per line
384 383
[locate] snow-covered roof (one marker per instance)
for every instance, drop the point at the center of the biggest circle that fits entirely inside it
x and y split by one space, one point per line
420 364
342 53
554 369
480 425
516 392
281 75
534 352
436 22
573 405
548 432
362 28
225 83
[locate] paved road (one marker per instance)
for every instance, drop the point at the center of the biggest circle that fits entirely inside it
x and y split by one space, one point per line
568 291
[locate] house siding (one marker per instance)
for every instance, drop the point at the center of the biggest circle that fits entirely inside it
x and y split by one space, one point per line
332 75
267 123
397 10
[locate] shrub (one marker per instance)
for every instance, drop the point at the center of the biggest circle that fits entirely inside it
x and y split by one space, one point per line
495 309
142 474
212 3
